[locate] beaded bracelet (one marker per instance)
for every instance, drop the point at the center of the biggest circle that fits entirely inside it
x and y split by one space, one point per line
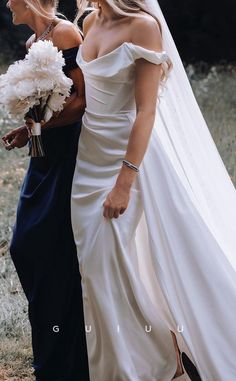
130 165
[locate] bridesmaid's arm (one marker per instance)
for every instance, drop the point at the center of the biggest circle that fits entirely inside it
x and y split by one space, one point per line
147 78
74 106
67 36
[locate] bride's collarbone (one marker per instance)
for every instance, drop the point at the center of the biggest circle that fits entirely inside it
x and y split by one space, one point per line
100 41
93 50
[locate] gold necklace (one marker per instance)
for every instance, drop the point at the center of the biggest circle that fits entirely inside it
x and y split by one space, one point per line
46 32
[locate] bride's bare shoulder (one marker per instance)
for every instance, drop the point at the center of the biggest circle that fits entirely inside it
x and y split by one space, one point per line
146 32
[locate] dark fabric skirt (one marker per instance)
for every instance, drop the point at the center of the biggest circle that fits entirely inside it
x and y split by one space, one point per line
44 254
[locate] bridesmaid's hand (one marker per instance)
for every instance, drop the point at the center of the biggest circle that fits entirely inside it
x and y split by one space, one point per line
16 138
116 202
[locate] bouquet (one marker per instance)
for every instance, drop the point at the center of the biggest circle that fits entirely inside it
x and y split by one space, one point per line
35 88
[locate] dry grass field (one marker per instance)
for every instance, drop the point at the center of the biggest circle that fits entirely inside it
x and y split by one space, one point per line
215 89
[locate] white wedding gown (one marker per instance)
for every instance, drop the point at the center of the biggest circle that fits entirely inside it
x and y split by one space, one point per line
158 266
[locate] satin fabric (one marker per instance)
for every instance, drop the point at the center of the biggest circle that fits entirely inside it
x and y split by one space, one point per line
118 310
162 250
193 162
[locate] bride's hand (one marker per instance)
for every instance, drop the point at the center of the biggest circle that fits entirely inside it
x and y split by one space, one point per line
116 202
16 138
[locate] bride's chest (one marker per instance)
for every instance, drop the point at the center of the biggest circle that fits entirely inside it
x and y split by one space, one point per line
116 65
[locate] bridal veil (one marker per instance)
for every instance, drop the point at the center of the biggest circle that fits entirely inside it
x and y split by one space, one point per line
187 237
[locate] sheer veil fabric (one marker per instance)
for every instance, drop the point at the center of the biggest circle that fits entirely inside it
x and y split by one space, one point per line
187 236
192 151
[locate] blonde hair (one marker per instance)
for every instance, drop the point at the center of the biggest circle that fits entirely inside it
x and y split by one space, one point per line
39 7
130 8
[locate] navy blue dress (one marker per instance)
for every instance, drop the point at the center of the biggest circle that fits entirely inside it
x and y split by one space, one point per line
44 254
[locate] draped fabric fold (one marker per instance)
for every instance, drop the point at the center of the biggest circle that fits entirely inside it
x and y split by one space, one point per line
192 151
189 230
169 259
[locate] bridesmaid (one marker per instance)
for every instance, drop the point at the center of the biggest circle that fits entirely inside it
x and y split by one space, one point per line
42 247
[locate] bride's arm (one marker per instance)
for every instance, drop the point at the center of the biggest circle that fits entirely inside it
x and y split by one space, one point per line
147 78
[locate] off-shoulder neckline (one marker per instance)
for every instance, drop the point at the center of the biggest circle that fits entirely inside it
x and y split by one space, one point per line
113 51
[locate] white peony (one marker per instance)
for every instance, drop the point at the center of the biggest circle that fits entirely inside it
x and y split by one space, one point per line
38 80
18 71
63 84
24 89
44 57
44 85
56 102
48 114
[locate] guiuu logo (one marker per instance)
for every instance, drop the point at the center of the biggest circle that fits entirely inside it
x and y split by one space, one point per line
180 329
148 330
88 330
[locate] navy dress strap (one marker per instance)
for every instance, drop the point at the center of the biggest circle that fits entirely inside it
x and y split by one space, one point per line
70 58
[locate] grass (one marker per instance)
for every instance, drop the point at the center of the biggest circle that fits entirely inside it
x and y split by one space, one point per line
15 339
216 95
215 89
15 362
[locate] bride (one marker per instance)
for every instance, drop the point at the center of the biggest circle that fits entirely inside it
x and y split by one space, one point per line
153 208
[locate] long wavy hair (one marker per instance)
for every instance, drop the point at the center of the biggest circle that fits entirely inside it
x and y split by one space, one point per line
131 8
39 7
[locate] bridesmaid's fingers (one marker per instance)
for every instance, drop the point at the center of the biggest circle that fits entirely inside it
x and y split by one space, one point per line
5 137
11 146
8 138
122 210
29 132
5 142
29 121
